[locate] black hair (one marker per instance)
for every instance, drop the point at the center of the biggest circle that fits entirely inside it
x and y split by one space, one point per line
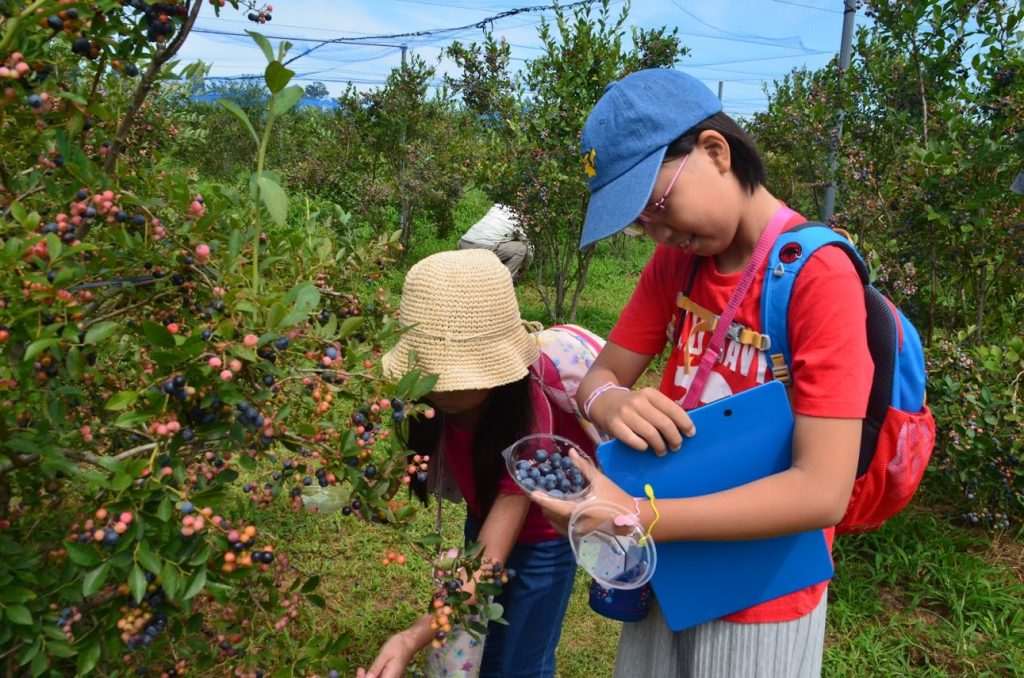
506 417
747 164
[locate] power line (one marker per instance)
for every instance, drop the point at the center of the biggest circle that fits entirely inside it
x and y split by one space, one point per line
800 4
482 24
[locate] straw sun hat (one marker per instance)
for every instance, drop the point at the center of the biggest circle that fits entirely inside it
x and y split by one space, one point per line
462 319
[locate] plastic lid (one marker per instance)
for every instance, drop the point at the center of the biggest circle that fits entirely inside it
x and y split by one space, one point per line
610 545
541 462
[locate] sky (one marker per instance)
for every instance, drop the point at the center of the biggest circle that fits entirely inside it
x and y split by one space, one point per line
743 44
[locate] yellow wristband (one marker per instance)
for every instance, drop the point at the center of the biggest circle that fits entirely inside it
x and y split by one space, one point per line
649 491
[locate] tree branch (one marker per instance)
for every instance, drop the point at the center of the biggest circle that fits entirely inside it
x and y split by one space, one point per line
143 90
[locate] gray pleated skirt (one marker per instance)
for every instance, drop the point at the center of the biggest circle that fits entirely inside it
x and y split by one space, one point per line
720 649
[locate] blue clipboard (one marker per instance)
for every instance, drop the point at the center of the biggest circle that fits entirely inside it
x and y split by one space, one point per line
739 439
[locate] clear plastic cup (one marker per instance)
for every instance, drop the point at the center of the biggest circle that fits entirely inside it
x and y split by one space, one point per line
541 462
609 543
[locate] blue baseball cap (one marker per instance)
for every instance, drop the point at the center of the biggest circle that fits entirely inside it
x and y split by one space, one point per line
625 139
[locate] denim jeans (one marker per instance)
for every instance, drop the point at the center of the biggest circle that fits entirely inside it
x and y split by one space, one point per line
535 600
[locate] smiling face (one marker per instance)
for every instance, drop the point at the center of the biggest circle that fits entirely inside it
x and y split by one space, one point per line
700 211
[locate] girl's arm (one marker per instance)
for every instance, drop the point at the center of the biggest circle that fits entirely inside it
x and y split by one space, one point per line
498 535
640 419
811 494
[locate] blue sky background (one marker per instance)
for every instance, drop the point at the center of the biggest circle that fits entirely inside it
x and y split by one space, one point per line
746 44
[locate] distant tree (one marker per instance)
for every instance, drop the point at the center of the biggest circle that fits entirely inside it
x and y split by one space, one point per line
534 122
316 90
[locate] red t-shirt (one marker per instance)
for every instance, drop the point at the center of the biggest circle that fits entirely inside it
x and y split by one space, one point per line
458 451
831 366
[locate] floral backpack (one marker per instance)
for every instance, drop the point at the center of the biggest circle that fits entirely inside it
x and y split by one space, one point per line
572 350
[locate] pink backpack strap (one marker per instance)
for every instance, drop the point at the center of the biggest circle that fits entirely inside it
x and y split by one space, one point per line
754 264
544 416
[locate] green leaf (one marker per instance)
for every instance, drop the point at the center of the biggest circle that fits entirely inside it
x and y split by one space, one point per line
423 387
350 326
310 584
147 558
39 664
201 556
101 331
53 246
157 334
263 43
82 554
16 594
95 579
60 649
307 299
236 110
277 76
19 614
122 400
171 580
88 657
30 652
285 99
163 511
19 213
275 199
196 585
407 381
38 346
76 364
137 583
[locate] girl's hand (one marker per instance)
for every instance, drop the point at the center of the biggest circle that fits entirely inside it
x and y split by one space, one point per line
392 659
642 419
558 512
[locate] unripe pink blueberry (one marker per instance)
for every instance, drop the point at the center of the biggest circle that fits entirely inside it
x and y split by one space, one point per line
251 340
203 251
236 365
214 362
226 375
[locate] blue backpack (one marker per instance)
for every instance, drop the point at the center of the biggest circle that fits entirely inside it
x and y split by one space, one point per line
898 433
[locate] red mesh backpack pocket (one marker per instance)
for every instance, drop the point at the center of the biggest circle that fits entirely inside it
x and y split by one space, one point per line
904 446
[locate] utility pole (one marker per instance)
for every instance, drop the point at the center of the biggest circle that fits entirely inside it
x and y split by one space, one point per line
403 208
721 84
828 207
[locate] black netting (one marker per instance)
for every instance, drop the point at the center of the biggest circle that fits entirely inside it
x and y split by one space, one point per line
882 337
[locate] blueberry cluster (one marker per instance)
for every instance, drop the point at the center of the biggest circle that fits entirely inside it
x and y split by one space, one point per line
175 387
321 477
158 17
249 415
156 624
553 473
66 616
204 416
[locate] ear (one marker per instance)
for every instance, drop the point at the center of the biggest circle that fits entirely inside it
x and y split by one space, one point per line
717 149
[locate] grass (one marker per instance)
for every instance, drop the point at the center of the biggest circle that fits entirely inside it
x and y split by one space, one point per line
922 595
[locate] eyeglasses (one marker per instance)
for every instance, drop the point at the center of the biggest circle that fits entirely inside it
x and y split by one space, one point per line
649 212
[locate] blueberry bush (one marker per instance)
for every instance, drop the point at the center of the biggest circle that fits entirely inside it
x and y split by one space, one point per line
931 143
173 361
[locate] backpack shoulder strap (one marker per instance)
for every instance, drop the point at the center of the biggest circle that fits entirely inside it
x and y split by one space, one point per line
791 251
544 414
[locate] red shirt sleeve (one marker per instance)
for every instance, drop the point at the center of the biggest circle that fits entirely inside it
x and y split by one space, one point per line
831 365
643 326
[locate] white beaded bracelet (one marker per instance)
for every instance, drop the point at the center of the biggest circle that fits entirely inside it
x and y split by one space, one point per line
603 388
